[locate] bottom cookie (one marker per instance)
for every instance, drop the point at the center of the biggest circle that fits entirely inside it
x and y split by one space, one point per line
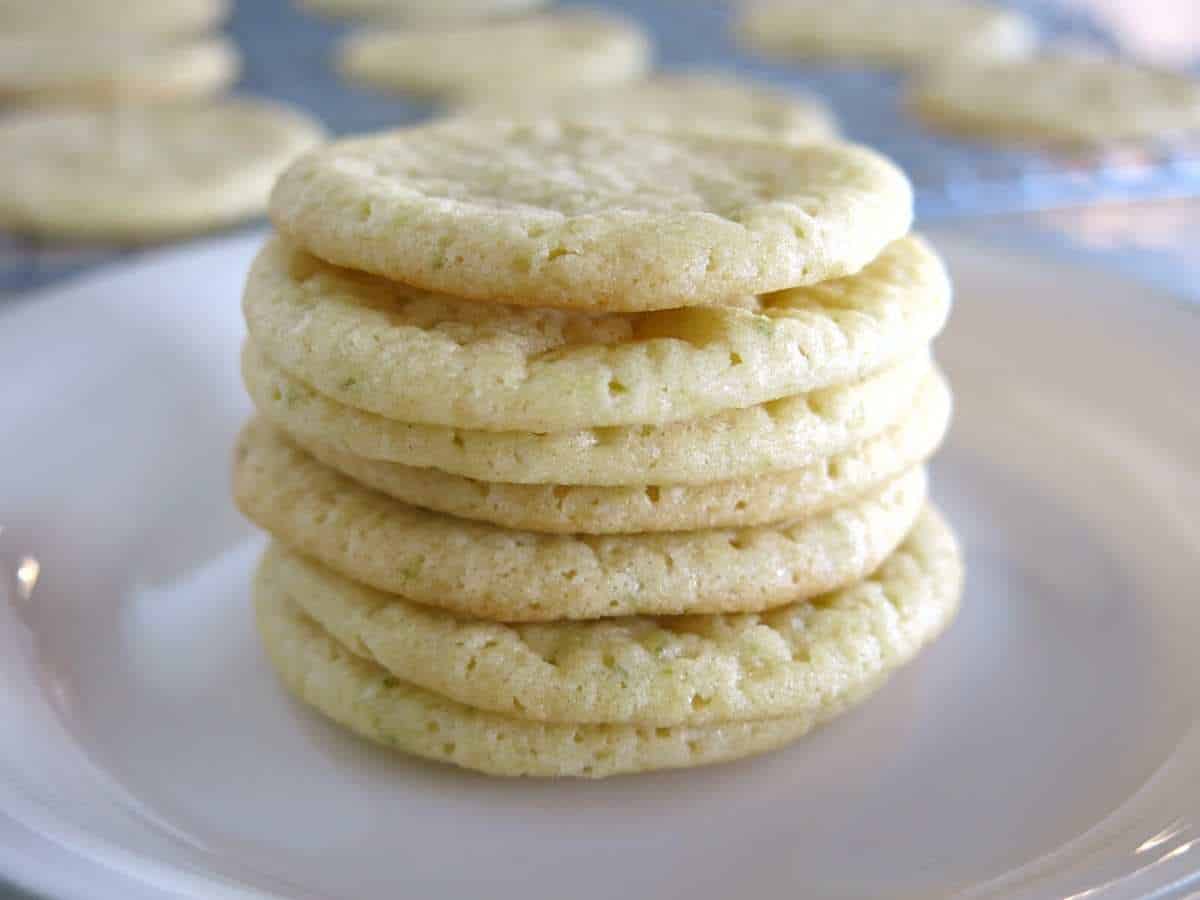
365 698
794 660
923 581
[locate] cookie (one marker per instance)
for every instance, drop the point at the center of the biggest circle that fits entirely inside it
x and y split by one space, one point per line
782 435
592 216
88 70
375 704
1059 100
887 33
665 671
707 103
421 10
497 573
146 173
551 53
432 359
567 509
109 18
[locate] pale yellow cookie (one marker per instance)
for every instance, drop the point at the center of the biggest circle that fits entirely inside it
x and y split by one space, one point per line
421 10
778 436
104 70
432 359
496 573
566 509
1063 100
552 53
375 704
706 103
667 671
102 20
552 213
145 173
910 34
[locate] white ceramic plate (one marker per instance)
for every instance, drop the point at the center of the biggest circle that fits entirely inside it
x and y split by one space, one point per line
1046 747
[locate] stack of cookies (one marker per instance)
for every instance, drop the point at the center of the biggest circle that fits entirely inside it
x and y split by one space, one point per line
590 450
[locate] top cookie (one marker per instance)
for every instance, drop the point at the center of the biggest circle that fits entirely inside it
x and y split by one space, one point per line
553 213
885 32
1069 100
706 103
539 55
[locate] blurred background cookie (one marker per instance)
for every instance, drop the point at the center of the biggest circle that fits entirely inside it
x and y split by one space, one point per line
421 10
703 102
549 54
885 32
97 18
1059 100
113 69
144 173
